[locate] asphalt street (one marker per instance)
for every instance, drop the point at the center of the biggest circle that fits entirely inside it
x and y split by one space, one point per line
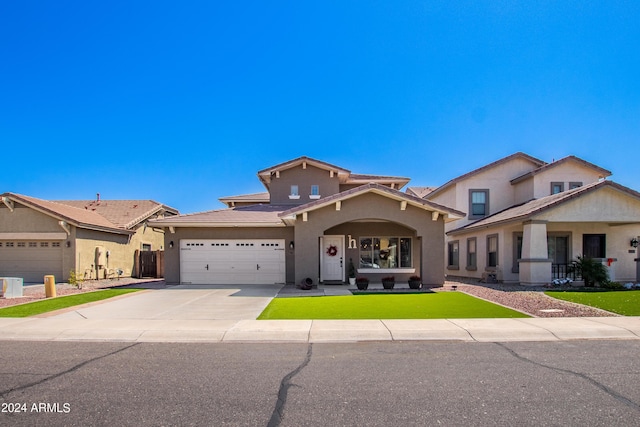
586 383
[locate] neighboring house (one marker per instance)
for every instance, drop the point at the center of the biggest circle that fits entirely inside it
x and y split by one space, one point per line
94 238
527 220
313 220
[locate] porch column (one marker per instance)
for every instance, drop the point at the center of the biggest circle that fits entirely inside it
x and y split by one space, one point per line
535 264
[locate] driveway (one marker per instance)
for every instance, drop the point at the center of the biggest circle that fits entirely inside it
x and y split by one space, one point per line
184 302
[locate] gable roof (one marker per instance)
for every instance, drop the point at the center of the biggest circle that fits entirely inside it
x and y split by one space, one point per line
452 214
419 191
603 172
244 216
344 175
246 198
533 207
519 155
115 216
265 174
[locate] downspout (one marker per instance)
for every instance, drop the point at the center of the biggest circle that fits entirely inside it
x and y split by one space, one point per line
65 227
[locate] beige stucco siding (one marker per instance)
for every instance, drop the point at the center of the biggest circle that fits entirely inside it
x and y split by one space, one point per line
605 205
172 254
568 173
496 180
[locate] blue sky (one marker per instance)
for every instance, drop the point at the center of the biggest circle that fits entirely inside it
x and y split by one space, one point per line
183 102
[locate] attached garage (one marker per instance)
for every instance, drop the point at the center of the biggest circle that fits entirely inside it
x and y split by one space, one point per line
31 260
232 262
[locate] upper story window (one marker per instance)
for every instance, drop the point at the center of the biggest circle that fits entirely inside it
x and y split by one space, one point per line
573 185
315 192
294 194
557 187
478 203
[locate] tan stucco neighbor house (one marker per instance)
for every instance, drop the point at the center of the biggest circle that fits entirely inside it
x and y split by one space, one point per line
527 220
313 220
95 238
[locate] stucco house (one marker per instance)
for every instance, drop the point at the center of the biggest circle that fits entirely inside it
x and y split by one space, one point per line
95 238
313 220
527 220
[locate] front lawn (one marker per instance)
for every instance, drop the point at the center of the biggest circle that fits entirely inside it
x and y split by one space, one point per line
44 306
437 305
626 303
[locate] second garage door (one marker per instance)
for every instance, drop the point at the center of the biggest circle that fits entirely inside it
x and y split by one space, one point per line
232 262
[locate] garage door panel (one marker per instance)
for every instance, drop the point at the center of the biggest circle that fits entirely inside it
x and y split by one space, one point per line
30 263
250 261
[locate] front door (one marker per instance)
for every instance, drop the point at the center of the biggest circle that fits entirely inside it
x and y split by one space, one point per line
331 258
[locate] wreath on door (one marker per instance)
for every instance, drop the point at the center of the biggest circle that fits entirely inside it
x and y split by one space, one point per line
332 250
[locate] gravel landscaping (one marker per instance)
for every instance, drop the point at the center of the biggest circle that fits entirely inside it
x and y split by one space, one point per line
530 300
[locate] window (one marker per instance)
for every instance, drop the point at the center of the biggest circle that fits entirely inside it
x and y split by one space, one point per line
385 252
573 185
594 245
478 203
315 192
492 250
557 187
33 244
146 247
44 244
472 259
294 192
453 255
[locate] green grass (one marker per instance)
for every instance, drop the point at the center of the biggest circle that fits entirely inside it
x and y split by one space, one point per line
44 306
626 303
437 305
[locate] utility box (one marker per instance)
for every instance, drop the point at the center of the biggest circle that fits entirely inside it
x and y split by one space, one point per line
11 287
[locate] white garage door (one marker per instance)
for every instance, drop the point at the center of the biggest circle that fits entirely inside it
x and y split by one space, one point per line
232 262
30 260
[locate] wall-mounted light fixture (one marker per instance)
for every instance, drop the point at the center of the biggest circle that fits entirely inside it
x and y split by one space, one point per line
634 242
291 245
171 244
68 244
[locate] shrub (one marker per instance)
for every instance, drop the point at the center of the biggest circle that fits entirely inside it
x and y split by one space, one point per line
389 279
617 286
593 272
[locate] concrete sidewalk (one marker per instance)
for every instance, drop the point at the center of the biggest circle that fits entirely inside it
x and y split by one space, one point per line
226 314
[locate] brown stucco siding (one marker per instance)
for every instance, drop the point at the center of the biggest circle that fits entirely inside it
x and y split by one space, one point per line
280 188
429 234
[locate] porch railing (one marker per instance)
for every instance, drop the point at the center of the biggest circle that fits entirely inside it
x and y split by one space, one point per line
564 271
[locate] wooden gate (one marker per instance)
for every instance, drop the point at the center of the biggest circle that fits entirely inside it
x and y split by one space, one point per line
149 264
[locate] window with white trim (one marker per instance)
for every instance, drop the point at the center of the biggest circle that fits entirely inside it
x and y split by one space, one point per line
294 194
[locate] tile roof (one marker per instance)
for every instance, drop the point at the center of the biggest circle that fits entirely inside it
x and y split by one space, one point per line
603 172
380 189
535 206
108 215
524 156
247 198
122 213
76 216
254 215
419 191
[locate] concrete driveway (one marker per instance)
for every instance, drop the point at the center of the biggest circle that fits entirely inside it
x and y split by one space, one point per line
184 302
